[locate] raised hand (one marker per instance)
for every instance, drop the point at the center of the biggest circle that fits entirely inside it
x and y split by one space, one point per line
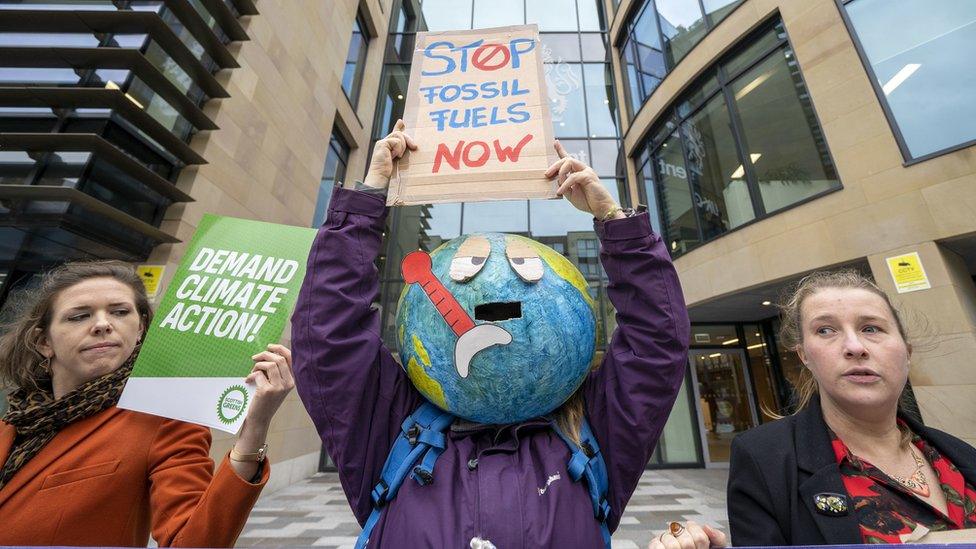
579 184
385 153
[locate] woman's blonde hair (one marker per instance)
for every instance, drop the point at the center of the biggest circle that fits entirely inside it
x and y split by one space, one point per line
29 310
791 330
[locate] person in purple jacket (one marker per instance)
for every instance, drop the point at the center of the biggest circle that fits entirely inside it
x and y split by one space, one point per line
507 485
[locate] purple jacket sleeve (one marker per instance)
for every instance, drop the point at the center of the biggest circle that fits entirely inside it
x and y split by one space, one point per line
349 382
629 398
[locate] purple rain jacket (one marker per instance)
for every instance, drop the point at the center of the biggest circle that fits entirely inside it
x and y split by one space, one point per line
505 484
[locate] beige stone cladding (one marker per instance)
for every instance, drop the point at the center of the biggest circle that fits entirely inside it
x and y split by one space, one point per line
885 208
266 160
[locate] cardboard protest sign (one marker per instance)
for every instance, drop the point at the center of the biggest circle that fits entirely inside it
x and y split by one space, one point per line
478 109
231 296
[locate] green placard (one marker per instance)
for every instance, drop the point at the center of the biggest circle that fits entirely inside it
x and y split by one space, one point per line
232 295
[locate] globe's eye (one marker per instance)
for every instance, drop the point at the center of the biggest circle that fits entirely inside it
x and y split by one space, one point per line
470 257
524 260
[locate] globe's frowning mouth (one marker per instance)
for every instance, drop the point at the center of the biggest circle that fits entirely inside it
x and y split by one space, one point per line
494 312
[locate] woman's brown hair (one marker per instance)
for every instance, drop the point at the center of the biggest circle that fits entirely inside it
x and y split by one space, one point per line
29 310
791 330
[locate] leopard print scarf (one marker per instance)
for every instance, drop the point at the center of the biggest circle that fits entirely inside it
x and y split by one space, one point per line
38 416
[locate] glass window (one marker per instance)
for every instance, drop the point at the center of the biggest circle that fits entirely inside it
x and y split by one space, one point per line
718 9
643 58
352 76
601 106
441 15
560 47
498 13
334 173
552 15
786 147
144 97
590 15
711 335
926 70
645 178
606 159
682 25
677 443
594 47
393 88
717 176
405 19
173 72
675 196
505 216
564 84
756 48
736 162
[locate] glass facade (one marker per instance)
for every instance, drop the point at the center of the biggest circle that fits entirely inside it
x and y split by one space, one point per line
125 157
334 173
352 76
924 73
741 143
585 119
659 33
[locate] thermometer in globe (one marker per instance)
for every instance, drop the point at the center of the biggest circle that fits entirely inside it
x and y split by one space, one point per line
472 338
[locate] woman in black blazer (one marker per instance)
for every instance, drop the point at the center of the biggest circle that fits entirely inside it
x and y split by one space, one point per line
789 480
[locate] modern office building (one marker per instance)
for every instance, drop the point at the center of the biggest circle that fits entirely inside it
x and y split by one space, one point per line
768 138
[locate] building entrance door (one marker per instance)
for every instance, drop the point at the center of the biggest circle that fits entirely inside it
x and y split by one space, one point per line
724 397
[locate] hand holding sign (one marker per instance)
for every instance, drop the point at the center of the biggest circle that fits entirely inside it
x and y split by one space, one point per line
385 154
579 184
274 380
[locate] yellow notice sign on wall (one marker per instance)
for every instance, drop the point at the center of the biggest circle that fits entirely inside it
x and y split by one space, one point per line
151 276
908 273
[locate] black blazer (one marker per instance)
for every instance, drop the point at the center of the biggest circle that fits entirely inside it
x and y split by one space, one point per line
778 468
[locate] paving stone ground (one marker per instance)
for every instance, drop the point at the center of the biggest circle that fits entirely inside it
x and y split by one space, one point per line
314 512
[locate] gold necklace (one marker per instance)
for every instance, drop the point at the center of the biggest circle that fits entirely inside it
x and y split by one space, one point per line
916 483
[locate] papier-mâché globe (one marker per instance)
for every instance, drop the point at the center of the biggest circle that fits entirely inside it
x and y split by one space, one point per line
495 328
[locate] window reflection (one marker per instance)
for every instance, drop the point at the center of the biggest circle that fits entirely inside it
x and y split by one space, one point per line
682 26
352 75
560 47
442 15
675 196
590 15
506 216
716 166
655 41
786 145
552 15
718 179
393 89
498 13
564 84
601 107
926 73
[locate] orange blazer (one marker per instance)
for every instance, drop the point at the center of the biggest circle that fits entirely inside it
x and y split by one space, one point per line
111 478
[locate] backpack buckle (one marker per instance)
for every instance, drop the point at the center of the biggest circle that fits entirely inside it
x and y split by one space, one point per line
379 493
412 433
424 476
587 449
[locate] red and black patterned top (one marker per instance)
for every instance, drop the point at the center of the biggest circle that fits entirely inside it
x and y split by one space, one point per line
885 509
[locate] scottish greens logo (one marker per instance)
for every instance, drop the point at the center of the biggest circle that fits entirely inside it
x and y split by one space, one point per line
231 404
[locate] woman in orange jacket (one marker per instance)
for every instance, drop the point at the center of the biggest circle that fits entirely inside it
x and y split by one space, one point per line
76 470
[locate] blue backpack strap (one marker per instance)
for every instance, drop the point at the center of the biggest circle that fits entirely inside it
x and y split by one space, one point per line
586 462
421 439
